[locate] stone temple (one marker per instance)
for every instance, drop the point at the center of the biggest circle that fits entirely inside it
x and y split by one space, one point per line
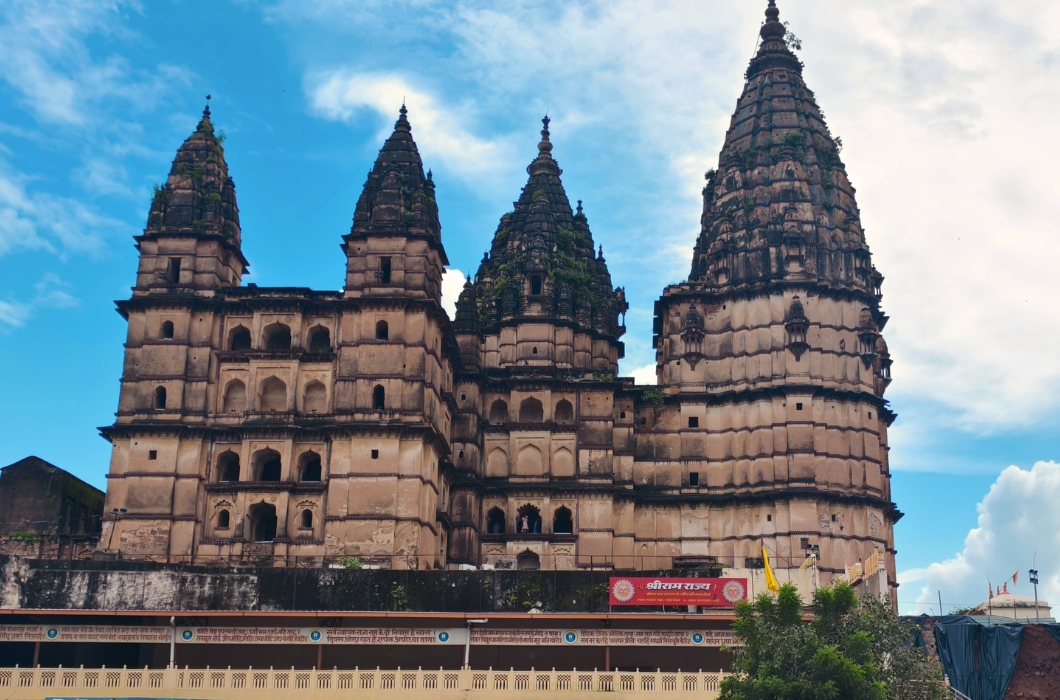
298 427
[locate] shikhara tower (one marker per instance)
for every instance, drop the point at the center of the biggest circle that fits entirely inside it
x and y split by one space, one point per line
296 427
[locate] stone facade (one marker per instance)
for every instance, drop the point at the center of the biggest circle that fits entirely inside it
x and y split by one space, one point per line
298 426
46 512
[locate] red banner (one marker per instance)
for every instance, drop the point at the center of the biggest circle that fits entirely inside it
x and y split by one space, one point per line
711 592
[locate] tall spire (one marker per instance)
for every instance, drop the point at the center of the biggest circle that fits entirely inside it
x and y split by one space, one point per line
773 52
198 196
779 206
398 196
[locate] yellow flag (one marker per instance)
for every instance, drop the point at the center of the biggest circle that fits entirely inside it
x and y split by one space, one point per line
771 580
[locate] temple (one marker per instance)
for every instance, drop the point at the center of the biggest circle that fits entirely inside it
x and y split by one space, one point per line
293 427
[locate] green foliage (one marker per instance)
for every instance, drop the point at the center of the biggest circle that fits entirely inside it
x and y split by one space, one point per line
351 563
199 225
795 139
708 189
748 207
749 158
214 197
410 218
159 193
852 650
653 395
399 599
197 173
793 42
221 137
963 611
24 536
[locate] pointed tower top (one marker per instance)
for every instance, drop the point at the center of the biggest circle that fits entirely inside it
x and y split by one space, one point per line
545 146
772 28
579 206
204 123
402 124
773 52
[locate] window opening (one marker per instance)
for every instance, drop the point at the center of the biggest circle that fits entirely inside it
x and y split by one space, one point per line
693 422
167 330
228 466
278 337
384 270
152 454
495 521
382 331
320 339
798 407
769 518
531 411
378 397
528 561
564 412
535 285
240 339
307 519
375 454
311 468
529 520
563 522
263 522
235 397
160 398
269 465
224 520
498 412
174 271
693 478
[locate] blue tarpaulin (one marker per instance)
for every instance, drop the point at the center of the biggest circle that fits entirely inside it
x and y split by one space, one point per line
979 659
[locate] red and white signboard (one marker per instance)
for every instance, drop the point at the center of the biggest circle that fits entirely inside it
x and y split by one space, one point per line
708 592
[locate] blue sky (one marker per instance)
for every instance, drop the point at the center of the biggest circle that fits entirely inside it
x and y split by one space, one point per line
940 105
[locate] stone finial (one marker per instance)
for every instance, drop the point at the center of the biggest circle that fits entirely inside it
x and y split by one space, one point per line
545 146
579 206
772 29
402 123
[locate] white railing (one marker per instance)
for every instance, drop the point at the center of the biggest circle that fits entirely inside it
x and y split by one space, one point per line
16 683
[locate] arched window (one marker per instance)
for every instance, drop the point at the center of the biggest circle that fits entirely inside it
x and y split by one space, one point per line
228 466
528 561
273 395
262 522
166 331
224 520
315 398
307 519
531 411
562 522
535 284
528 520
235 397
499 412
319 339
267 465
382 331
277 337
311 468
495 521
239 339
160 398
564 412
379 397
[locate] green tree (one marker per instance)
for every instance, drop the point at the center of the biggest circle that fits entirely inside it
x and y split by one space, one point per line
852 650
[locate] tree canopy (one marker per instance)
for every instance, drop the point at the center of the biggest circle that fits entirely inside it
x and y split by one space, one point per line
851 650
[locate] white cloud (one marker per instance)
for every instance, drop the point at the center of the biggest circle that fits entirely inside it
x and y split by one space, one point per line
452 285
43 221
44 57
643 375
1017 518
438 128
50 293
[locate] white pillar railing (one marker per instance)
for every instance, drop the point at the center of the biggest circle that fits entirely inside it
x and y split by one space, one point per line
95 681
